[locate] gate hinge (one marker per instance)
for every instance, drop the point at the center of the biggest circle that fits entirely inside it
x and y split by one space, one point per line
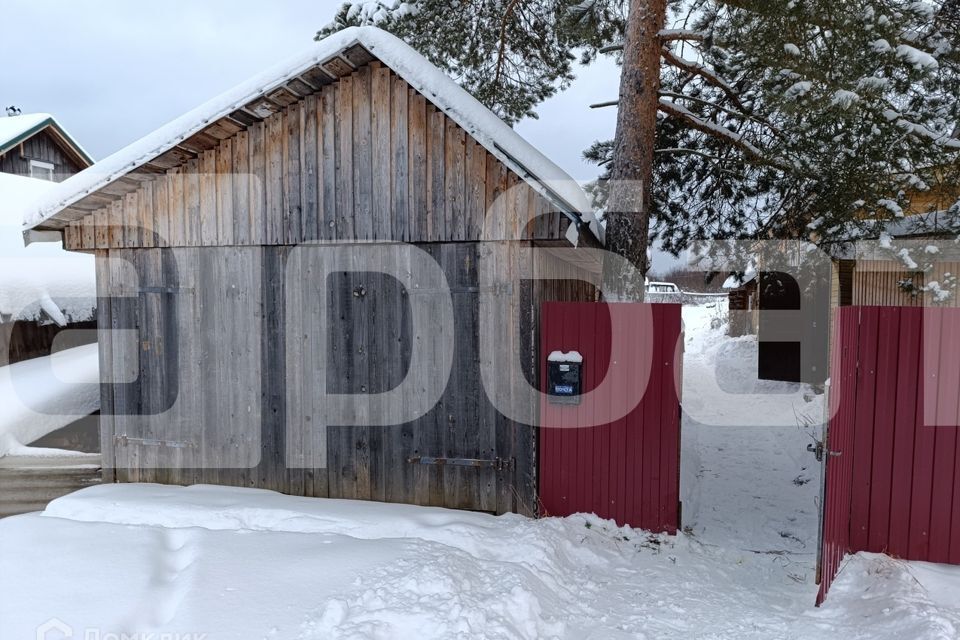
818 449
499 464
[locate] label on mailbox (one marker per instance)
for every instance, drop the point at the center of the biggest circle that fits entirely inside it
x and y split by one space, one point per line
564 382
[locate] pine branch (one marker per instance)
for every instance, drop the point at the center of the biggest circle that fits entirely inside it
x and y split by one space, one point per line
727 110
669 35
716 131
706 74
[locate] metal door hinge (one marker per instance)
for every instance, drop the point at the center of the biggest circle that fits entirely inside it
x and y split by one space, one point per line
124 440
496 463
818 450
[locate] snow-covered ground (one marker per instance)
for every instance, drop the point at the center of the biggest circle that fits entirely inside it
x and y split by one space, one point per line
248 564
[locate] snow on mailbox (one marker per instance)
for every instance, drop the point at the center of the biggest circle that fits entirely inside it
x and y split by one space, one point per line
564 377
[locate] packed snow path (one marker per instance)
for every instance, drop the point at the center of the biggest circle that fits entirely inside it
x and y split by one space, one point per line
748 481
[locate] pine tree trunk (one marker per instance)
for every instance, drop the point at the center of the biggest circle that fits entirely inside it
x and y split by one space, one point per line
631 176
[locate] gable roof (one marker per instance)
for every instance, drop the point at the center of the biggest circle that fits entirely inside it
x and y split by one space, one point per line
335 56
17 129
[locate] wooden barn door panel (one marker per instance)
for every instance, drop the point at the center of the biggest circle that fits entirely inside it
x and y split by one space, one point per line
458 454
191 411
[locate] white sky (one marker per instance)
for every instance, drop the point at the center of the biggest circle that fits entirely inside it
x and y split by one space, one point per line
112 71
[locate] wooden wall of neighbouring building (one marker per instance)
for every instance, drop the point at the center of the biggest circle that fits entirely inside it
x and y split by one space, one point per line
23 340
743 310
876 283
225 348
41 146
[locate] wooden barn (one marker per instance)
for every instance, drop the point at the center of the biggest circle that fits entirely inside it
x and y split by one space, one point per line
216 342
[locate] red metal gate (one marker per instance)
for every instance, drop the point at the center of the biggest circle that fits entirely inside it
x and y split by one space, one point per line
893 479
592 459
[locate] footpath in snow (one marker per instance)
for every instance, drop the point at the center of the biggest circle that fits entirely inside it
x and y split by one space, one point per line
249 564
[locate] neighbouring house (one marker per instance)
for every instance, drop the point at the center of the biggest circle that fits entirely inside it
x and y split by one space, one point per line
49 433
36 146
199 232
744 304
49 290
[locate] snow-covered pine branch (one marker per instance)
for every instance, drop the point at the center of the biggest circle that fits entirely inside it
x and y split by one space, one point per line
712 129
707 74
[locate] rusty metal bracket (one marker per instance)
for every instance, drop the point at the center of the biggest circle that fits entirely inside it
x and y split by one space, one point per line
496 463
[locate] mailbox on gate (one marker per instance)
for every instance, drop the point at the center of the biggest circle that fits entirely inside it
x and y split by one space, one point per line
564 377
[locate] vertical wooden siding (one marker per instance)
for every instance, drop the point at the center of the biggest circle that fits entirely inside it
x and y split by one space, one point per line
875 283
365 158
225 351
41 146
628 470
895 487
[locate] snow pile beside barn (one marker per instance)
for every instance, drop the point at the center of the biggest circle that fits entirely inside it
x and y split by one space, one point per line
40 282
44 394
243 563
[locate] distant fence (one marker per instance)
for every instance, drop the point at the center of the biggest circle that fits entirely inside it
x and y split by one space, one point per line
684 297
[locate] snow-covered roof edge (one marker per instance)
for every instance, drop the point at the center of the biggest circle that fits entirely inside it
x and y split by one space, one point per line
32 124
461 107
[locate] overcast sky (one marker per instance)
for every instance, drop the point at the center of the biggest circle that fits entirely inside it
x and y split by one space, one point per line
112 71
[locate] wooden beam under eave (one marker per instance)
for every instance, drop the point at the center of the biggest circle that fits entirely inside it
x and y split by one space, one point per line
222 129
337 67
244 117
358 55
262 108
299 88
283 96
316 78
199 142
173 158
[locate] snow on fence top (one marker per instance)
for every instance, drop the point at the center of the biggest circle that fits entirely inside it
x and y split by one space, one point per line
42 281
495 135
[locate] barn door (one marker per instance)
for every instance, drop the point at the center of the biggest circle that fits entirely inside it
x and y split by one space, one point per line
626 469
462 453
183 351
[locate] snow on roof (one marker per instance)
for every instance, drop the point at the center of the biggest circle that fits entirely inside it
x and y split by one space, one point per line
737 280
489 130
16 129
42 281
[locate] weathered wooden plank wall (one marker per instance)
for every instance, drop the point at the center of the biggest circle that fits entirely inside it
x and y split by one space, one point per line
229 351
366 158
876 283
42 147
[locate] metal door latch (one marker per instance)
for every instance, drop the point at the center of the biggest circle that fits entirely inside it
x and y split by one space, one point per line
818 450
